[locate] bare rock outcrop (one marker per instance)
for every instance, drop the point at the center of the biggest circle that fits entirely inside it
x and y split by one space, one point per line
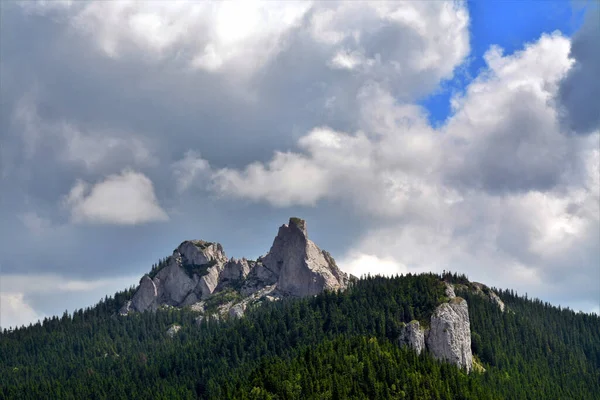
145 298
449 337
197 270
235 270
301 268
485 291
237 311
413 336
172 331
449 290
199 252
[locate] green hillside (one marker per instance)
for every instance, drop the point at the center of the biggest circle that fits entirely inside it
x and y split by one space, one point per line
332 346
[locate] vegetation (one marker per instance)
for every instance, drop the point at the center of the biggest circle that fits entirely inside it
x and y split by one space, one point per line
332 346
198 269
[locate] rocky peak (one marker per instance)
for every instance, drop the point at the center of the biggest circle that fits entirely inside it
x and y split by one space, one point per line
198 270
301 268
200 252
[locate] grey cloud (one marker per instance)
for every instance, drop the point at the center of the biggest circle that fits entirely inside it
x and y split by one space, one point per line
525 152
579 92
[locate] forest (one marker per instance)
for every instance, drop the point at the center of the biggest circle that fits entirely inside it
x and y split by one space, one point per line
336 345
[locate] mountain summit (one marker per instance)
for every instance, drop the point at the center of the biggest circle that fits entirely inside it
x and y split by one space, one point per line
200 275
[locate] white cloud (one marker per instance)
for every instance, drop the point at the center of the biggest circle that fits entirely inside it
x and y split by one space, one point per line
278 182
359 264
15 312
394 41
124 199
209 35
412 45
190 170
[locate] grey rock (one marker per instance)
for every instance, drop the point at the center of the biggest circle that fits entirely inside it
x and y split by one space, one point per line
145 298
449 291
485 291
449 337
172 331
496 300
301 268
235 270
173 283
413 336
209 282
199 252
237 311
126 309
294 266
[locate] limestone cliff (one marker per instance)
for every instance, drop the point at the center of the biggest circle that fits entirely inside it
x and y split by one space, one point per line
413 336
449 337
200 275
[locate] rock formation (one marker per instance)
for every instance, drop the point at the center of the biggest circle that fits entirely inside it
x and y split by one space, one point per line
485 291
413 336
449 290
197 270
172 331
449 337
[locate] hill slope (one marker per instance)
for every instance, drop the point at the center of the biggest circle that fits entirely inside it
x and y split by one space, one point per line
334 345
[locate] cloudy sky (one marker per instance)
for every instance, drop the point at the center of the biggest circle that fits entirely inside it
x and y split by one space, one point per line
412 136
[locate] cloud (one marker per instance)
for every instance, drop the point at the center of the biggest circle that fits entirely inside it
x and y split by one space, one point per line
376 39
278 182
95 149
37 225
14 312
504 135
190 170
579 92
124 199
359 264
209 35
498 192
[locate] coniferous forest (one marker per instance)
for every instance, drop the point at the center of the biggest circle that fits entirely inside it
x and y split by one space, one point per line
332 346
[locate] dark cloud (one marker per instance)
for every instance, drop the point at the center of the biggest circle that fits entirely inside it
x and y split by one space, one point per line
579 92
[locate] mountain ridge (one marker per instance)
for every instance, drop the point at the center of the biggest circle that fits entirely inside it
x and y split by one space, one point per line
294 266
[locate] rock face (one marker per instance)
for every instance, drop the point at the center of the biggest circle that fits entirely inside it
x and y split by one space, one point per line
146 295
496 300
300 267
449 337
198 270
485 291
413 336
449 291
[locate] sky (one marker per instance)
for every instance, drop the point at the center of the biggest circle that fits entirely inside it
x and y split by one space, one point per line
411 136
